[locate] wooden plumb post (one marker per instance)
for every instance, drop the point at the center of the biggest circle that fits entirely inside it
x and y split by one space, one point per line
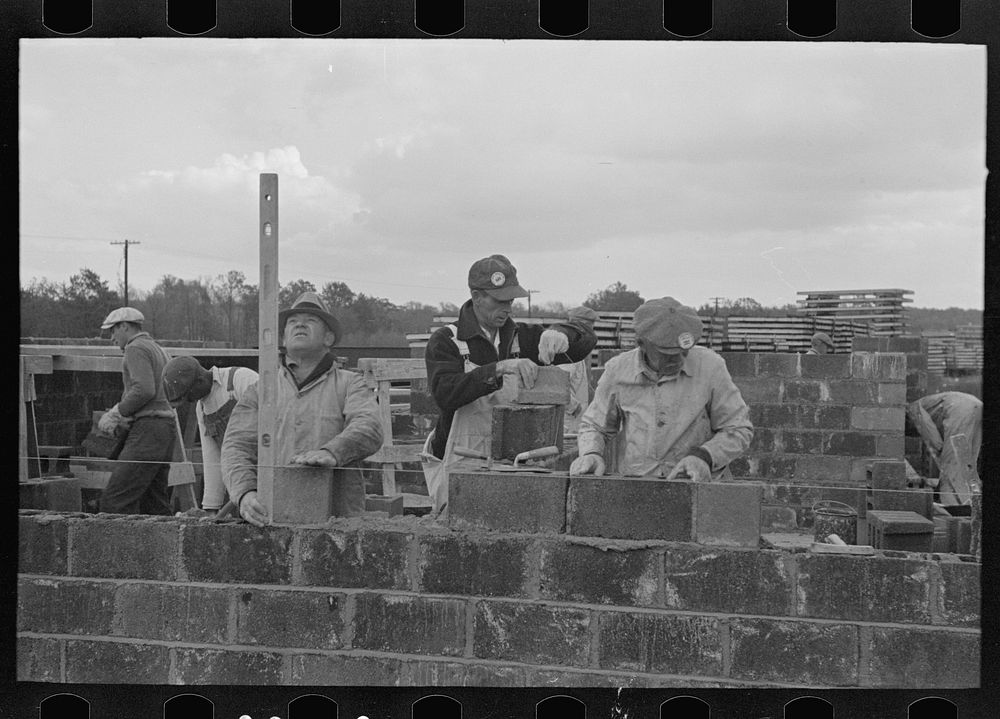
22 424
267 385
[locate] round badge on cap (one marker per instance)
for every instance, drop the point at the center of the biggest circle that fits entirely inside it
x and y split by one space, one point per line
685 340
498 278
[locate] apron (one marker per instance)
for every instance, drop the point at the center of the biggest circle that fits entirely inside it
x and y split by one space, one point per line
217 421
471 428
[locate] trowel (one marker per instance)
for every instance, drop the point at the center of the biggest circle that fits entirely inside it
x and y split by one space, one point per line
490 466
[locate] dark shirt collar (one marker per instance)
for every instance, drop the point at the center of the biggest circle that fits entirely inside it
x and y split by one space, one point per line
325 363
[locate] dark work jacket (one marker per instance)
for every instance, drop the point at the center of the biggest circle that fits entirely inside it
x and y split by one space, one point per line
450 385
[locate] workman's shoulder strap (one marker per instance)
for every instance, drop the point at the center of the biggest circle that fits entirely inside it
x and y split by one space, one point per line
463 346
229 383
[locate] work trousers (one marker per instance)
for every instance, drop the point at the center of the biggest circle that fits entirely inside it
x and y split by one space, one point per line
138 483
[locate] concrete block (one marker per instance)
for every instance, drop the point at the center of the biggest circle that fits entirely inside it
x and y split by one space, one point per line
891 393
976 527
907 344
508 502
740 364
519 428
904 531
42 544
354 558
627 508
236 552
777 519
804 391
830 366
312 620
474 565
869 344
885 474
799 652
56 494
594 575
727 581
409 625
806 442
964 535
551 387
302 495
890 444
959 593
916 658
97 662
914 500
728 513
851 444
826 468
852 392
878 366
778 364
915 361
57 606
168 612
344 670
763 440
132 547
660 643
38 660
878 418
531 633
759 389
223 666
392 505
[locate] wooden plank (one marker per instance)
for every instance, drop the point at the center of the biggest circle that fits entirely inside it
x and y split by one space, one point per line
112 351
267 384
22 423
397 453
380 368
77 363
37 364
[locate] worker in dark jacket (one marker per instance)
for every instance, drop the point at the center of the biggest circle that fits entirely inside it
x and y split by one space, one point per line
467 363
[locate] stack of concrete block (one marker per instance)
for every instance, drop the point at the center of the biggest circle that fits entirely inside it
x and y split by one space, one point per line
890 490
904 531
535 420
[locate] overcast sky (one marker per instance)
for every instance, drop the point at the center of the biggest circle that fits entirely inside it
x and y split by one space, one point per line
692 169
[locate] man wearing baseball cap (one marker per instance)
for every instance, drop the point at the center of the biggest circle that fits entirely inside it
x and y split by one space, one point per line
579 374
466 363
326 416
215 393
820 344
674 404
138 482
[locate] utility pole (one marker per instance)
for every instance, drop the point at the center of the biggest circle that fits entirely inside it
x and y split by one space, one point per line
716 299
126 243
530 293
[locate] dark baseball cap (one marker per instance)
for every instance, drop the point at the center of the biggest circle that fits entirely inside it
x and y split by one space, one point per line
496 276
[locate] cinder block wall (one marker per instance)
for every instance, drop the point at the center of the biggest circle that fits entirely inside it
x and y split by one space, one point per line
104 598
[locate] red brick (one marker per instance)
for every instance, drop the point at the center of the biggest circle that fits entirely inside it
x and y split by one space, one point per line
626 508
290 619
531 633
959 593
662 643
851 444
551 387
474 565
852 392
740 364
223 666
60 606
507 502
102 662
42 544
519 428
344 670
727 581
794 652
891 393
127 547
778 364
759 389
595 575
372 559
826 468
831 366
728 513
172 612
924 659
236 552
877 418
39 659
409 625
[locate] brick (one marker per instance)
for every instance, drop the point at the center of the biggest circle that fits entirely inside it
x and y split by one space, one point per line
126 547
531 633
391 505
907 344
778 364
851 444
171 613
595 575
236 552
39 659
520 428
551 387
905 500
869 344
904 531
101 662
794 652
410 625
344 670
740 364
290 619
759 389
830 366
891 393
372 559
822 468
42 544
959 594
56 494
508 502
877 418
471 565
870 589
805 391
626 508
663 643
221 666
727 581
890 445
852 392
440 673
728 513
878 366
58 606
924 659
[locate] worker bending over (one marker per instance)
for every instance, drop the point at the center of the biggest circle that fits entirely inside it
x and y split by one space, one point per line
942 419
672 405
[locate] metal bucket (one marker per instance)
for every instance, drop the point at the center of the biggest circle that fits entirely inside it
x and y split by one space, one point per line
831 517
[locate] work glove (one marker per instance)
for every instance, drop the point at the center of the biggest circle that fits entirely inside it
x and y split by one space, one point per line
588 464
694 467
109 421
315 458
525 369
551 343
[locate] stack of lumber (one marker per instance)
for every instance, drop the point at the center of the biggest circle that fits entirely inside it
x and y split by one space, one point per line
882 309
940 346
967 353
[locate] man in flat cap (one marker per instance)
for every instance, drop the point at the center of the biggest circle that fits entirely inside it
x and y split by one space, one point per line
138 483
215 393
820 344
326 416
673 403
466 363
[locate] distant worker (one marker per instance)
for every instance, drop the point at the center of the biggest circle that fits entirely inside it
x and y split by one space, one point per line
674 404
951 425
579 373
821 344
467 361
326 416
138 482
215 393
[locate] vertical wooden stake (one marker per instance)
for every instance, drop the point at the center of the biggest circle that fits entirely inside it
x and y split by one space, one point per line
267 385
22 426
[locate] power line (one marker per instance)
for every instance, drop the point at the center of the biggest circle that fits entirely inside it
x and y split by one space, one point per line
125 290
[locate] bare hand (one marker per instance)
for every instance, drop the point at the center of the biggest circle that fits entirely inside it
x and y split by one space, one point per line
551 343
588 464
109 421
253 511
693 467
525 369
315 458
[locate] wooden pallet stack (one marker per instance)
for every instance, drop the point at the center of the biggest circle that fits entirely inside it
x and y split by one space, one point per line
967 353
940 346
882 309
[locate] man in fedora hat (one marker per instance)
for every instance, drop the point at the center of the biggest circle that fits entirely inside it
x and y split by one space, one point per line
466 363
215 393
326 415
138 482
674 403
